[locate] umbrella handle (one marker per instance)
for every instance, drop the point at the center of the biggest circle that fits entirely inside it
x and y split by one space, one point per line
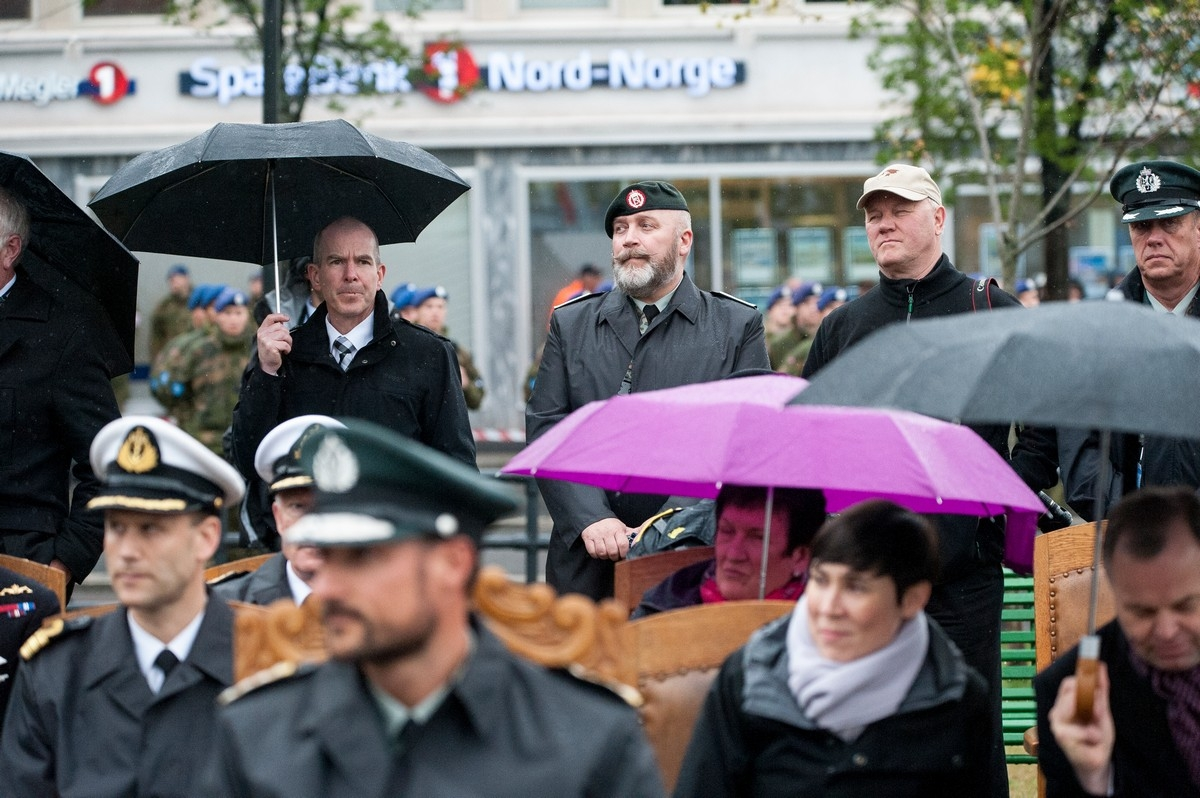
1087 669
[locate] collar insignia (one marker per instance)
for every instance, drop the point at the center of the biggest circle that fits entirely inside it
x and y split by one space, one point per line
139 453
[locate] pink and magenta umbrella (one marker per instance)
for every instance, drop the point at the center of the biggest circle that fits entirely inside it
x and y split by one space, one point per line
691 440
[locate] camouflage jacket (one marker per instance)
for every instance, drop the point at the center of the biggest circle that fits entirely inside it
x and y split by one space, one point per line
170 318
166 374
473 383
213 375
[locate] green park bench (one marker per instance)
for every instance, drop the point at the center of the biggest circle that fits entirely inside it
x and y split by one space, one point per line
1018 664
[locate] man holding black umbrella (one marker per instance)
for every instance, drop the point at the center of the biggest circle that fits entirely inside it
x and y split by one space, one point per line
55 395
904 221
1159 200
351 360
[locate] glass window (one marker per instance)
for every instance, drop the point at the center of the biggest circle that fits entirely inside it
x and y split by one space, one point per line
14 9
564 3
776 229
418 6
108 8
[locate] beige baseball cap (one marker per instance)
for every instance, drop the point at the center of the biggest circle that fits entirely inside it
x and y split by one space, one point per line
903 180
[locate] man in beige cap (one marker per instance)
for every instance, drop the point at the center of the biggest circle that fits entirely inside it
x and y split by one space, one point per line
905 222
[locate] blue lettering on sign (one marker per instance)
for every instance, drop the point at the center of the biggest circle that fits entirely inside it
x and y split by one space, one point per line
206 79
624 70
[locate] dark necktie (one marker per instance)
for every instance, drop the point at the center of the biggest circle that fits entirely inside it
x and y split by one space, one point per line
650 311
166 662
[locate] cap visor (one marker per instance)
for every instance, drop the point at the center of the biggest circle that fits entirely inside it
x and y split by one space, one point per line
1156 212
906 193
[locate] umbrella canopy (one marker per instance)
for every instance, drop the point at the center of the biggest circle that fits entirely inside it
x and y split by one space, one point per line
260 193
729 432
76 259
1114 366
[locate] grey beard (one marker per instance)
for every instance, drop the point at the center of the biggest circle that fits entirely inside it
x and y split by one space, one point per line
643 283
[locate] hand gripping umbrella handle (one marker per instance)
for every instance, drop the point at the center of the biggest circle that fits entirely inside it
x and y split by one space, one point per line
1087 669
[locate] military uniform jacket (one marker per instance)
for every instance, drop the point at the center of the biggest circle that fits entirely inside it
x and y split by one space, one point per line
507 728
263 586
55 396
700 337
83 722
24 604
405 379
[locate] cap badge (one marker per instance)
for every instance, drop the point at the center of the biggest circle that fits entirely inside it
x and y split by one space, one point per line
635 199
335 468
1147 181
139 452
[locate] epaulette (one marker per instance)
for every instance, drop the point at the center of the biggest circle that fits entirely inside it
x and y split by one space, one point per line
228 576
50 630
581 298
724 295
650 522
605 685
272 675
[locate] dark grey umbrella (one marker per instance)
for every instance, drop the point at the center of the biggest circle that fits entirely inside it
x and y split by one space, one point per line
76 259
1107 366
260 193
1114 366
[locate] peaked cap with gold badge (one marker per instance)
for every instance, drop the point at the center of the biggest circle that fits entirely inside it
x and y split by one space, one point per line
152 466
375 486
1155 190
277 459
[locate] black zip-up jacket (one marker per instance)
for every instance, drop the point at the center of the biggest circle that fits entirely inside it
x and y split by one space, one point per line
943 291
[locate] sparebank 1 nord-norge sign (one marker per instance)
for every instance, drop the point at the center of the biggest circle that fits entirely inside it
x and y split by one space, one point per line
448 72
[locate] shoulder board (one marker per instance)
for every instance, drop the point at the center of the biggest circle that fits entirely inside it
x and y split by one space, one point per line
228 576
278 672
51 630
724 295
650 522
582 298
605 685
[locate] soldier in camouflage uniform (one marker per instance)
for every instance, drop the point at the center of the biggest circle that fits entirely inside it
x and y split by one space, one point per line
171 316
430 304
212 370
165 382
793 350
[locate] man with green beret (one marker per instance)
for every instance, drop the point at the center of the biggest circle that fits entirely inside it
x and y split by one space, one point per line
655 329
418 698
124 704
1159 202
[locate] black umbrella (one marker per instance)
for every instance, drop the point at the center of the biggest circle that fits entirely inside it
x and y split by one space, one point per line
1108 366
260 193
1115 366
76 259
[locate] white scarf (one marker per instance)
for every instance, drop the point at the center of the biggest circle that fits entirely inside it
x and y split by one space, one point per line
846 697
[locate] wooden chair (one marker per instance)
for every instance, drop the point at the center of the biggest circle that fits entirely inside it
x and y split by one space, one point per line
52 578
1062 580
244 565
676 656
632 578
663 664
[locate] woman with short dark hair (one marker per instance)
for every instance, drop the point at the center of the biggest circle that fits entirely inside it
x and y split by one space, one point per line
857 692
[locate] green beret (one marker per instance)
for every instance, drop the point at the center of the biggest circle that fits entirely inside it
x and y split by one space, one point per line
649 195
1155 190
373 485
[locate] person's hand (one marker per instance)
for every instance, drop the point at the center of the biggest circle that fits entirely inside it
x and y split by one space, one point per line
62 566
1087 746
607 539
274 341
